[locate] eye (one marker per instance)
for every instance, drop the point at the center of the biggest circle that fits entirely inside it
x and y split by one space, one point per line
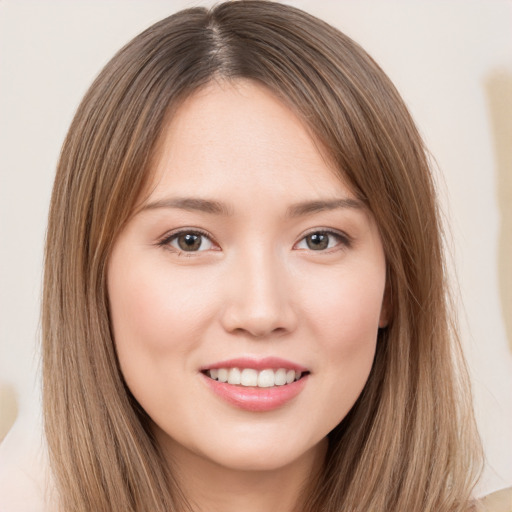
322 240
188 241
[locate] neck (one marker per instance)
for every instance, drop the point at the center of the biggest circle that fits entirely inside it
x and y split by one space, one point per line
210 487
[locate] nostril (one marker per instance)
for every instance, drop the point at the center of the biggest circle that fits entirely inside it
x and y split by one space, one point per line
258 309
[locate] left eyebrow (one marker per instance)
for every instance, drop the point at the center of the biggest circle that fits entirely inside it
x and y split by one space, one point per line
309 207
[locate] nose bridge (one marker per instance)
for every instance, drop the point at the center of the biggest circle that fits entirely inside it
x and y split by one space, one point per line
259 299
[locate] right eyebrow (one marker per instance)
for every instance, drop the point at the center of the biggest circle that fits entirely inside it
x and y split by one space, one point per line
191 204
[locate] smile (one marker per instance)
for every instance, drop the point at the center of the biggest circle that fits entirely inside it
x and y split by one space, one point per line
250 377
256 385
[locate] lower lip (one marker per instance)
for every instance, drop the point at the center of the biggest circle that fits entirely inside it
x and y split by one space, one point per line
256 399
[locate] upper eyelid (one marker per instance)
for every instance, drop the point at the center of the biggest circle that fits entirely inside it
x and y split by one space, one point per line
170 235
329 231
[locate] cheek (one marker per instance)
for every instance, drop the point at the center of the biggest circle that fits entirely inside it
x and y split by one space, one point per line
158 320
346 308
345 321
156 317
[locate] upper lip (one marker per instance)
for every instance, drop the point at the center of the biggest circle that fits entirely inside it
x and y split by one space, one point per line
256 364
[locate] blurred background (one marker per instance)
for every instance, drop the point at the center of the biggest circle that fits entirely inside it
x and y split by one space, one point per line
452 62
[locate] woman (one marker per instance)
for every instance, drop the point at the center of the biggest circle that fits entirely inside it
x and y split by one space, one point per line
245 299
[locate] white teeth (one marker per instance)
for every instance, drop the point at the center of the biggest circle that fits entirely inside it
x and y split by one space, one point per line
234 376
249 377
266 379
280 377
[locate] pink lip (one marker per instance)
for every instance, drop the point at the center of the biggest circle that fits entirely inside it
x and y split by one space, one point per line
257 364
256 399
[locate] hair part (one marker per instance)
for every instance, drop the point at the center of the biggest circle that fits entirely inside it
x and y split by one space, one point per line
409 443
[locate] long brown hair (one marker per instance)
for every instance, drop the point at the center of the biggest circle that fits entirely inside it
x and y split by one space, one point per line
409 443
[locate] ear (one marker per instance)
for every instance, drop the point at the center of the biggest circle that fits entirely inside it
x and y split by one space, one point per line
386 309
383 320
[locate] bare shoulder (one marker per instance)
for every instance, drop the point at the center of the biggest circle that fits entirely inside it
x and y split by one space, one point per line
24 475
499 501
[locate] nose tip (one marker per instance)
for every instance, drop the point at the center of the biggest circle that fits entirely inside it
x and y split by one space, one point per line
259 316
256 324
259 304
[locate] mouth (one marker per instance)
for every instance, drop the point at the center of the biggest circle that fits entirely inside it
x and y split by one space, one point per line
250 377
256 385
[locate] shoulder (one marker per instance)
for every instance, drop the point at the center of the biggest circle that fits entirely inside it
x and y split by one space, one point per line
24 475
500 501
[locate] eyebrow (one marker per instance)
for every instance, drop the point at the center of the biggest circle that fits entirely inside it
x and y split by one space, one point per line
308 207
191 204
218 208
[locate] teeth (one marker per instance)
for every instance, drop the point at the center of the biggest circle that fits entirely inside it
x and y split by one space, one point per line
280 377
249 377
234 376
266 379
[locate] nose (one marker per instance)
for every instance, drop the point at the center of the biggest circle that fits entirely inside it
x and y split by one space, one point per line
259 297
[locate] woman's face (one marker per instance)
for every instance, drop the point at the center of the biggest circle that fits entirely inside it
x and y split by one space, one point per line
250 261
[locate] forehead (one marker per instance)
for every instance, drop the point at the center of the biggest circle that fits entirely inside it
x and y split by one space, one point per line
233 137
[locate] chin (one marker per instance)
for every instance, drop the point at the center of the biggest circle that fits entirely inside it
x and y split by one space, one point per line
264 457
256 462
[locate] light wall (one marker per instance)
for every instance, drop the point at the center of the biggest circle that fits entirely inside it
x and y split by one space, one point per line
452 62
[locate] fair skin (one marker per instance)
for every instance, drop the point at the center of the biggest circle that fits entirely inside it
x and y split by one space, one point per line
247 275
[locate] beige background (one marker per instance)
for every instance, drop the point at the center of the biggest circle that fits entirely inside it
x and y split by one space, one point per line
452 62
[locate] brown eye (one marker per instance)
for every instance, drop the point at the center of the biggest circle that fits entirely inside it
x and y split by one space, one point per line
317 241
322 240
189 241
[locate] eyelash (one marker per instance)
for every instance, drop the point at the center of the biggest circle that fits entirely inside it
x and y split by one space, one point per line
343 240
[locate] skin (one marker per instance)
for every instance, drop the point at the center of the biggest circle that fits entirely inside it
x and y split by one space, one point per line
254 288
